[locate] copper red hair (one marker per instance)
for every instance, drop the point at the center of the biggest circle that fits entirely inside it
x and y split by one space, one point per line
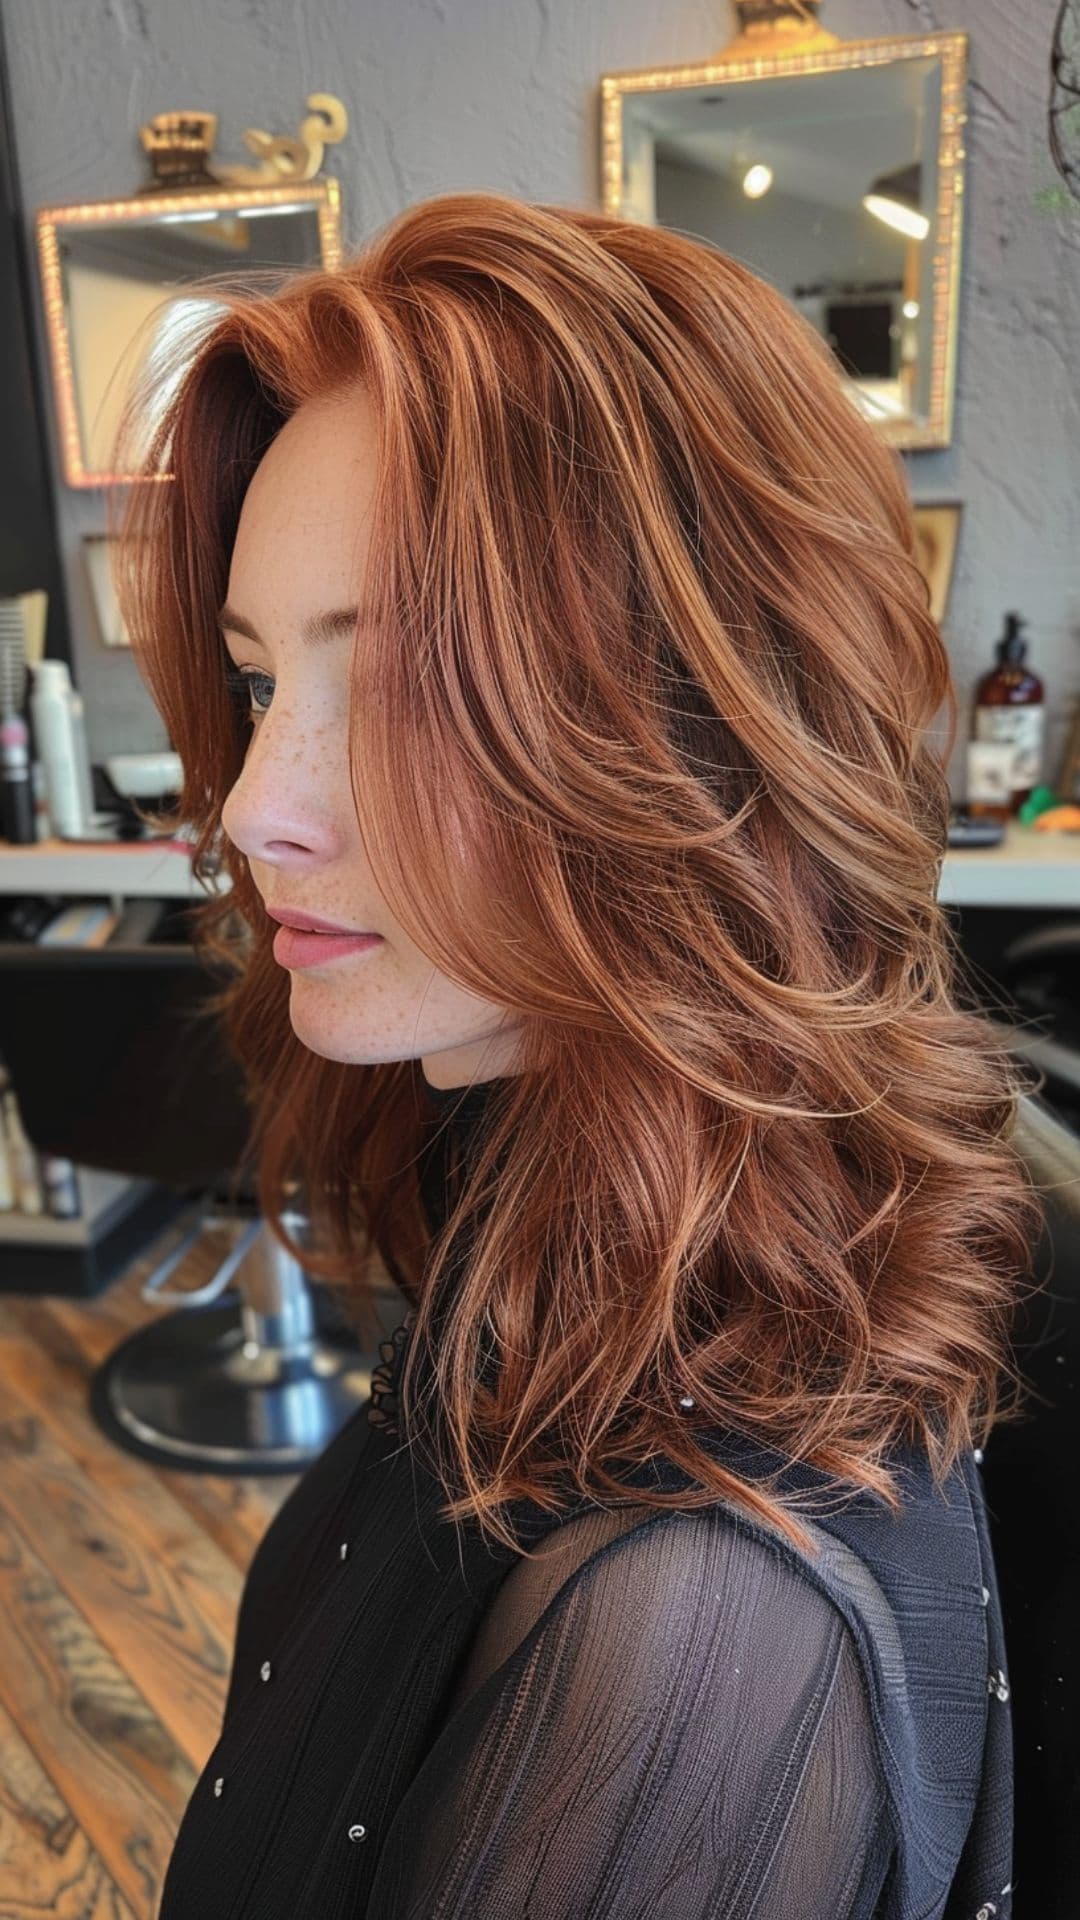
642 753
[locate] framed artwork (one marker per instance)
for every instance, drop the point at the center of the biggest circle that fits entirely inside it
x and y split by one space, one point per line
111 628
937 528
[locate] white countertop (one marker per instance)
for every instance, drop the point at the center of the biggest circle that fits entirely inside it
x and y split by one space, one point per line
92 870
1028 869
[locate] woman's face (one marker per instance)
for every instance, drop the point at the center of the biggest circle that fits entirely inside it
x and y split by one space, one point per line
301 550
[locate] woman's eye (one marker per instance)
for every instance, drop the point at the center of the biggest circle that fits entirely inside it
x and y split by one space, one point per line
242 681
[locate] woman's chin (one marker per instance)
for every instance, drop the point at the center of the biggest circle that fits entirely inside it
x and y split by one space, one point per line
322 1028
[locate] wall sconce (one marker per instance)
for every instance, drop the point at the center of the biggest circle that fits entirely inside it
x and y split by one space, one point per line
896 199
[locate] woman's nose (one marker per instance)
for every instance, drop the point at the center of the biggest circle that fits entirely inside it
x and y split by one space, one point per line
286 802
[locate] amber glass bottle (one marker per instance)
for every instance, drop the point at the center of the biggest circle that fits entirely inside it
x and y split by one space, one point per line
1009 707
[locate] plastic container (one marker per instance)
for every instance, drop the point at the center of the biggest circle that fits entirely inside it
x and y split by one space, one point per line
61 747
17 822
42 824
22 1157
82 755
62 1196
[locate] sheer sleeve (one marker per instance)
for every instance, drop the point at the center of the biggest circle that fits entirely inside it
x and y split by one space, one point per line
679 1729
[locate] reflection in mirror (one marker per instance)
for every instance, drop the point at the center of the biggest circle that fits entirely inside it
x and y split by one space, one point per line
121 279
834 176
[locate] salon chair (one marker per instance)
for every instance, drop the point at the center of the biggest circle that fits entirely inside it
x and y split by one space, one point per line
118 1066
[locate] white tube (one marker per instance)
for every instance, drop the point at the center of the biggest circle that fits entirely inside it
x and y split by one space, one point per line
57 742
82 756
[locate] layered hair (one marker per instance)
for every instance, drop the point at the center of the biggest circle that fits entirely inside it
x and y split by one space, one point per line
642 752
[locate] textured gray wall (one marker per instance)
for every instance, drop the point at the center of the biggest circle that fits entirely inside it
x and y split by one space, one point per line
449 94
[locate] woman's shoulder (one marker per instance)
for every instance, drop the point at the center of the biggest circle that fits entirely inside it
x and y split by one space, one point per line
934 1541
916 1591
702 1593
916 1586
907 1582
893 1614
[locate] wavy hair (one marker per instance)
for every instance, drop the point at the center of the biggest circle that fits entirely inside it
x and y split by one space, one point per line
654 652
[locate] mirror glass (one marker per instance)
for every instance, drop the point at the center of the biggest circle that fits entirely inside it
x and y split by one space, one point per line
113 274
825 183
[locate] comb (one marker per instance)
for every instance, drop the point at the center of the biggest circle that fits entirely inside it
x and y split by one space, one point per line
12 657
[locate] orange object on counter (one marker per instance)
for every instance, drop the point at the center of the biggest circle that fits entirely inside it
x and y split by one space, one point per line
1066 818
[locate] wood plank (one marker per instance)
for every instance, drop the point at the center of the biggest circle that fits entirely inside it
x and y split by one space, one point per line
47 1864
120 1581
157 1593
234 1509
118 1770
48 1385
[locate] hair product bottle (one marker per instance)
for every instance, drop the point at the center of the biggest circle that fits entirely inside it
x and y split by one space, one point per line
1009 709
59 744
16 790
62 1197
22 1154
42 824
82 755
17 822
7 1176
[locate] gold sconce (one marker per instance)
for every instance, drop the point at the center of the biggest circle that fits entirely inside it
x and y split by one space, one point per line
180 148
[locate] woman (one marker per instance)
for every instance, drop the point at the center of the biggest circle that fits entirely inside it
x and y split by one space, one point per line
530 596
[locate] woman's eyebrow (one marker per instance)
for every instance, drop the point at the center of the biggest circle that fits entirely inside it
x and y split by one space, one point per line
325 626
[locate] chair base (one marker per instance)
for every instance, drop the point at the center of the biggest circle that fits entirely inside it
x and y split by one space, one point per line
194 1392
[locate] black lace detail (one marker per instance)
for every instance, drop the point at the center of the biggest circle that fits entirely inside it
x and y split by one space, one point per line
383 1405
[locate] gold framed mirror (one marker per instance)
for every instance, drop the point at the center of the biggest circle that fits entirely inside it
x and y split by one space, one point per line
835 170
112 270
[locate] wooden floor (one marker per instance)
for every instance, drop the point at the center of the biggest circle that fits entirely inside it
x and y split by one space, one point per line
119 1589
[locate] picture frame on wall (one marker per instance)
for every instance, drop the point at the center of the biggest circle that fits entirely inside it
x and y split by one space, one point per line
937 531
111 629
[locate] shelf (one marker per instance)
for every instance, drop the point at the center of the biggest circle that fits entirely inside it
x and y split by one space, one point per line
101 1192
74 869
1027 869
77 1259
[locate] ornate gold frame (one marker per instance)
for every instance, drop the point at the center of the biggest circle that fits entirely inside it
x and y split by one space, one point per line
325 193
737 64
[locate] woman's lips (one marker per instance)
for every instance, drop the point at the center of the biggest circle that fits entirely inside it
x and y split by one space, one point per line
294 947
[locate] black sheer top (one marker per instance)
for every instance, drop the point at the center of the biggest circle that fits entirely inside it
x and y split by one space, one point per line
671 1715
